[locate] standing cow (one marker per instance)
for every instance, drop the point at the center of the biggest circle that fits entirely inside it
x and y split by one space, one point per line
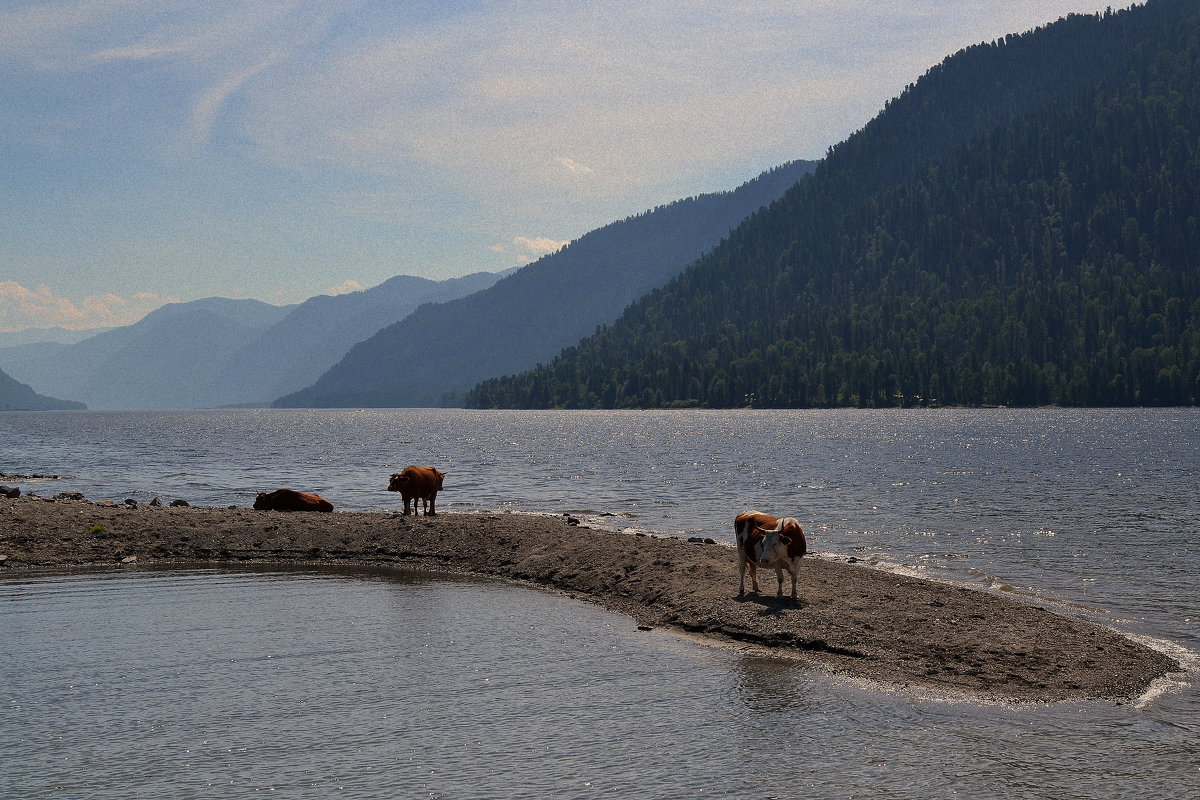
767 541
418 483
782 548
745 526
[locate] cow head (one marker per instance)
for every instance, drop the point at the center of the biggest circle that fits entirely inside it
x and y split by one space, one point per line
397 482
773 548
777 542
262 502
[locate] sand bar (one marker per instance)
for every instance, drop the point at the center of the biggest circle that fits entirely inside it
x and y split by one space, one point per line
851 619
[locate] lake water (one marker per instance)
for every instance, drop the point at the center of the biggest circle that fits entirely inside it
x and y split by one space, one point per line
187 683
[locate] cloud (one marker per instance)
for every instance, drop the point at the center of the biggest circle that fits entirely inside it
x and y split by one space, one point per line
528 248
540 245
205 111
574 167
348 286
547 105
22 308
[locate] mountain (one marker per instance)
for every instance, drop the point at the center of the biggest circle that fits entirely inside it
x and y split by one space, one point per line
36 335
432 356
1019 227
218 351
168 359
295 351
17 396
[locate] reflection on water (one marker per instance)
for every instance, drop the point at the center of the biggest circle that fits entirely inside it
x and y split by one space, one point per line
373 684
775 685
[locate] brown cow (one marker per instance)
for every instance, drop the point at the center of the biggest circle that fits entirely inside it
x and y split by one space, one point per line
781 547
745 526
418 483
291 500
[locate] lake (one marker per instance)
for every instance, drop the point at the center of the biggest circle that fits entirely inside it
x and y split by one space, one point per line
385 684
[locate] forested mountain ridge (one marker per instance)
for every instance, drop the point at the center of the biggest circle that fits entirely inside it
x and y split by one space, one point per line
1018 228
440 351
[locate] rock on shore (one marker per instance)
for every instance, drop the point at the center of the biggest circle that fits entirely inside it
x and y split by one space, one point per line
851 619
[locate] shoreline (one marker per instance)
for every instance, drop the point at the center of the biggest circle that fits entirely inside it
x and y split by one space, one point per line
852 620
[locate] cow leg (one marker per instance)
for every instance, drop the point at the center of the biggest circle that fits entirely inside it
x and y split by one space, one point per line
432 510
406 500
744 564
795 598
779 578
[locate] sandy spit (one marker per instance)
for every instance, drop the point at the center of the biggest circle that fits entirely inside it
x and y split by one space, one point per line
851 619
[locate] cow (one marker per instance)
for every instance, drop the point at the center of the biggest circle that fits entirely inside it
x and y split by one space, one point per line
418 483
782 547
291 500
744 526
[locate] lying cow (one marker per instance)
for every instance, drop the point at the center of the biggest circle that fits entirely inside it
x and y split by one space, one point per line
767 541
418 483
291 500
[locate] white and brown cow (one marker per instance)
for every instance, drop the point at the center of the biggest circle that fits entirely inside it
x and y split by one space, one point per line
767 541
745 526
418 483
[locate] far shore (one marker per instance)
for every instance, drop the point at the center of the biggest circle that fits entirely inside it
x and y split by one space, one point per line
851 619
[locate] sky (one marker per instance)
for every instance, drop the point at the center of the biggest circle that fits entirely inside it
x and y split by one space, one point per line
154 151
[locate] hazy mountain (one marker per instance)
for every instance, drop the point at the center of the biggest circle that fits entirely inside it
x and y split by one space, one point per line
1019 227
218 351
168 359
36 335
441 350
17 396
295 351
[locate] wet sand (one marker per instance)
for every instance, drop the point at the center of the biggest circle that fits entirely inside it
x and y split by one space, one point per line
850 620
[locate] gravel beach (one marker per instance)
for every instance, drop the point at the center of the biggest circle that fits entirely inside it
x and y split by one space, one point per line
851 619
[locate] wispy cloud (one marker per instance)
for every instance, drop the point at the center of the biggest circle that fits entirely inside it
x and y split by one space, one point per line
211 100
574 167
22 308
534 105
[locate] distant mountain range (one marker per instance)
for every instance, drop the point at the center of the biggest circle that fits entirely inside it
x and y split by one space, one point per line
217 351
17 396
408 341
433 356
1020 227
37 335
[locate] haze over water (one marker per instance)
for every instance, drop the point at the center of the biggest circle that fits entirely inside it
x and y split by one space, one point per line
309 680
